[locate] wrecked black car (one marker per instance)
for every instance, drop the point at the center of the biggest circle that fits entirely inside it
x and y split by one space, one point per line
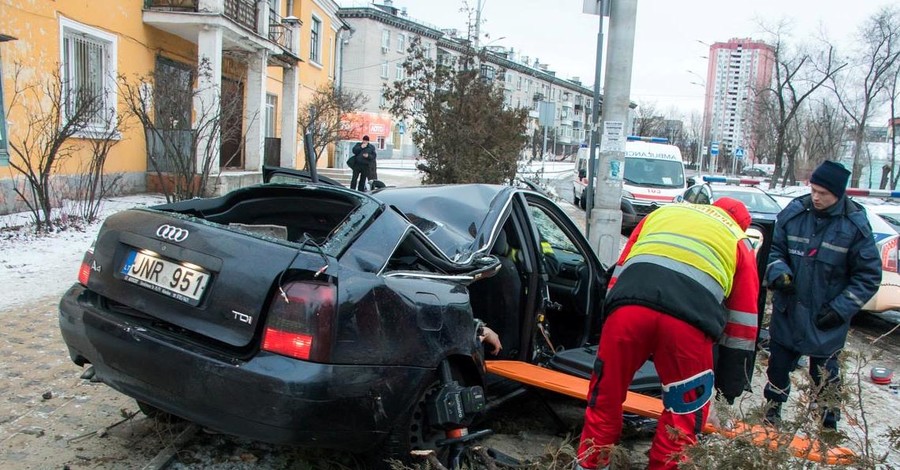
310 314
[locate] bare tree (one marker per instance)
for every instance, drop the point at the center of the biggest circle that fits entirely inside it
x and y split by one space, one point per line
93 184
694 133
181 160
823 133
762 129
798 73
869 77
894 96
53 113
322 116
649 122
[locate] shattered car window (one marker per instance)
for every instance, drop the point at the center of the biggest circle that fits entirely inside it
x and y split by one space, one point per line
551 232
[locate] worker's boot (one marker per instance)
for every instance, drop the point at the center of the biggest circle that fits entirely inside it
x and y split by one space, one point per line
830 418
773 414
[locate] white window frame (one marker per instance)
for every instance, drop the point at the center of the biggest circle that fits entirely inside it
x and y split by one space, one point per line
401 42
271 115
400 72
68 28
384 69
385 40
315 40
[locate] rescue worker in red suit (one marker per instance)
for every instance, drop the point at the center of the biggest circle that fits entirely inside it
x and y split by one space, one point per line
685 283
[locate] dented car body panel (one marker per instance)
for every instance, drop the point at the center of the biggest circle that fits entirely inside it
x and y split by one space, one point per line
314 315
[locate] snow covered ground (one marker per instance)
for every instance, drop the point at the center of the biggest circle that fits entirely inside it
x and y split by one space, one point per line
35 267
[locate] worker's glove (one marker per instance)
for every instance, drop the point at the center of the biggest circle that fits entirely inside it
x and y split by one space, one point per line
828 319
783 283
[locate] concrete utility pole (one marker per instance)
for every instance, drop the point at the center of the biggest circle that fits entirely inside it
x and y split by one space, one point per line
602 10
606 216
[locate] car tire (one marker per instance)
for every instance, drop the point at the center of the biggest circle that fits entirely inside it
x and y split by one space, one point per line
157 414
414 433
575 199
582 203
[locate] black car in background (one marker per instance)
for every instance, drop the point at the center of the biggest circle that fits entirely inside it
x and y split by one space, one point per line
311 314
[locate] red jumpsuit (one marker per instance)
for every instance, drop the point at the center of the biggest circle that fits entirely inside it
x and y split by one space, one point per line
680 338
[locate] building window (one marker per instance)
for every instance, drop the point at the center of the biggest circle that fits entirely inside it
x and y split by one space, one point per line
427 49
384 69
88 74
400 72
271 112
401 42
385 41
380 142
315 40
382 102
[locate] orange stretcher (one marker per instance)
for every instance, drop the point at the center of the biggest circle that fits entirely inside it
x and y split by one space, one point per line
651 407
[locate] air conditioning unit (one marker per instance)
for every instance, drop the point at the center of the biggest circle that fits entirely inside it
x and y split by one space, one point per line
384 49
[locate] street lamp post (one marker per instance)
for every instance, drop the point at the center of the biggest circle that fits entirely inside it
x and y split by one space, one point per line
700 153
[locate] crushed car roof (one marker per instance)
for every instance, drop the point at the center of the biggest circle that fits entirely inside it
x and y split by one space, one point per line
459 219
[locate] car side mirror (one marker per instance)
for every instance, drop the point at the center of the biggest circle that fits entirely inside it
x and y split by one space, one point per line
582 173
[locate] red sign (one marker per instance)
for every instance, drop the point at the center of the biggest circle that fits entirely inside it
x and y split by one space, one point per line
373 125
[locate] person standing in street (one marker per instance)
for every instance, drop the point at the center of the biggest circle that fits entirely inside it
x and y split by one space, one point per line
823 267
363 156
685 283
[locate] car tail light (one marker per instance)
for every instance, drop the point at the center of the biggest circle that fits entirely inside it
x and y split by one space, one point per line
299 321
889 255
84 272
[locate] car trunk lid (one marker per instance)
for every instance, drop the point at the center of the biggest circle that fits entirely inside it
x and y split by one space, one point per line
208 277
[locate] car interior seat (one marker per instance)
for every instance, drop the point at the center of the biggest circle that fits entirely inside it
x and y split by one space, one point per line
497 300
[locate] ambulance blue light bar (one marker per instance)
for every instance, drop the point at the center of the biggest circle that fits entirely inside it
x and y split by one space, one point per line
655 140
862 192
726 180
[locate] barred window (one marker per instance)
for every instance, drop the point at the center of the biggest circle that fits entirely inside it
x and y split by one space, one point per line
88 75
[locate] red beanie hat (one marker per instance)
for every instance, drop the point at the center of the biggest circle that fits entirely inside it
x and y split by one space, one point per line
736 210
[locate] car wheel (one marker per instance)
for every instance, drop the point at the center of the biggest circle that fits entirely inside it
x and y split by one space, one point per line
412 433
153 412
575 199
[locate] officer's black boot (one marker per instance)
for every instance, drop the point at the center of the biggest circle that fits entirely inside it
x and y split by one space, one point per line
773 414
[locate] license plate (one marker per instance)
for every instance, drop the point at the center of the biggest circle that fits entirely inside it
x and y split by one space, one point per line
169 278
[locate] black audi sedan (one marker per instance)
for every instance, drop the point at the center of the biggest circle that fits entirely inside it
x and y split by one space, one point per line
310 314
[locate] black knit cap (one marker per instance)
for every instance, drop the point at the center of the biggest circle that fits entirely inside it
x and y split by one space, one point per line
831 176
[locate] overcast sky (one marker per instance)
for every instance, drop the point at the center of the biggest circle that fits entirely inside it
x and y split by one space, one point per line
666 39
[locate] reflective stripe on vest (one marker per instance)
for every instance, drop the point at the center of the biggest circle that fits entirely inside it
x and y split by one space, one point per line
699 235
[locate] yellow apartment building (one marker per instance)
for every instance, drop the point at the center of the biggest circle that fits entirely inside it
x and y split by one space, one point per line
257 58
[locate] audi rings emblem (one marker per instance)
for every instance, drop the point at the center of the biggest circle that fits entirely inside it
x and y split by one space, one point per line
172 233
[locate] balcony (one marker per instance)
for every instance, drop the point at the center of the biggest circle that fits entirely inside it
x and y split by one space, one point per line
244 26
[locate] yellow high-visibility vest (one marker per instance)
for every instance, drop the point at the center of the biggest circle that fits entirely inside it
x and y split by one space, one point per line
699 235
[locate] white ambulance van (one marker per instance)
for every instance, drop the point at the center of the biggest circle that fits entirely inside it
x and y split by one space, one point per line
653 176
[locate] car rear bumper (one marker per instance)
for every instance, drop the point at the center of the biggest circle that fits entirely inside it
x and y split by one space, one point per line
265 397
